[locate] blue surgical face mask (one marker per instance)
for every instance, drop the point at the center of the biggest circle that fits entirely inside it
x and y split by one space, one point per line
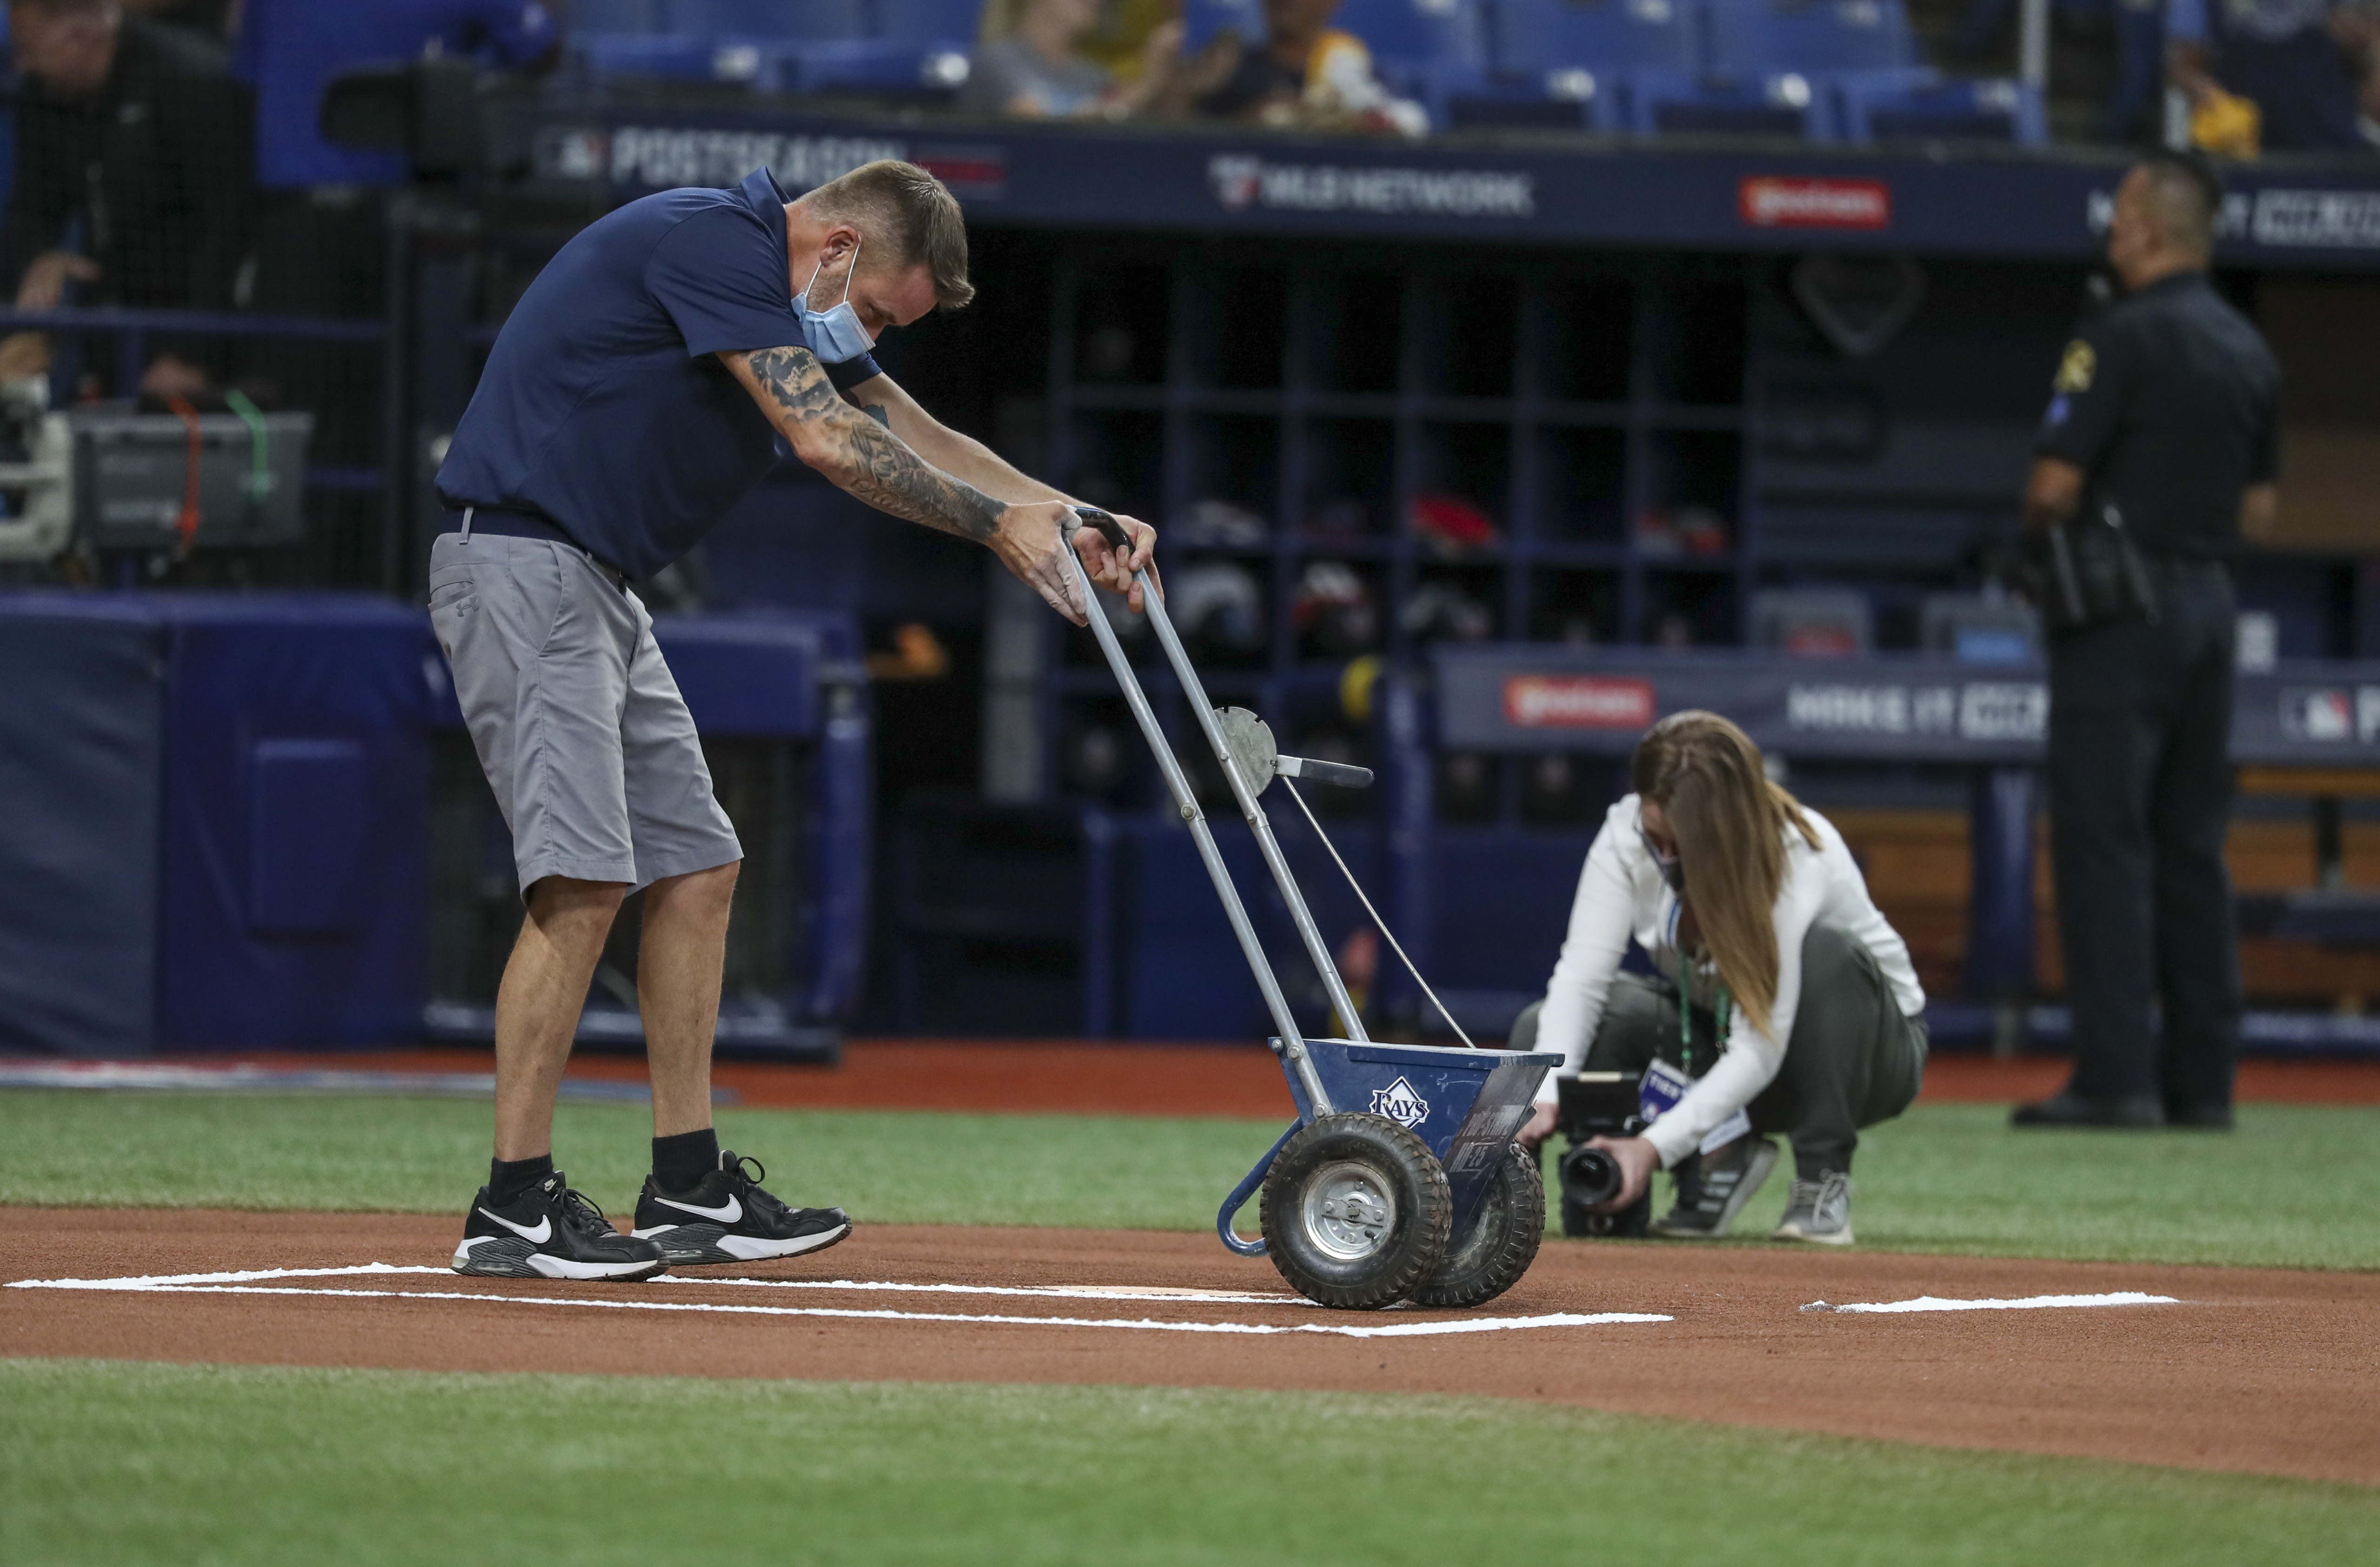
1672 869
835 336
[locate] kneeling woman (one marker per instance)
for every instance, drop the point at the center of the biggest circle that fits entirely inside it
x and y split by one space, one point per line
1782 993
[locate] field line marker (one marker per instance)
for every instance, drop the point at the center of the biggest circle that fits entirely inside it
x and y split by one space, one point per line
1053 1292
2028 1303
1389 1330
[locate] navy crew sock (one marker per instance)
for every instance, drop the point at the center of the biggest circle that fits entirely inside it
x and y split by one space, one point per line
508 1178
680 1163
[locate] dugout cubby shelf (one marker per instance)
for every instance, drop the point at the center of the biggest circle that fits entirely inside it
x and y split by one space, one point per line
1585 418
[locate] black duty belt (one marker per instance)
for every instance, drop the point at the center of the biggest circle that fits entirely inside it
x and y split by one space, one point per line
505 523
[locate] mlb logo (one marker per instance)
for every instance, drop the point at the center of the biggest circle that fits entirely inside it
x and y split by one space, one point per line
2323 715
1235 178
1400 1104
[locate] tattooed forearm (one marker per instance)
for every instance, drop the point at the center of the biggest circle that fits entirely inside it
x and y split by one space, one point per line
861 454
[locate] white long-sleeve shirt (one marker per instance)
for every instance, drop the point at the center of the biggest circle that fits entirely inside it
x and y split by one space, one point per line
1621 894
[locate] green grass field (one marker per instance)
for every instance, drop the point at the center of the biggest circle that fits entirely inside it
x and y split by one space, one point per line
138 1463
2295 1186
111 1463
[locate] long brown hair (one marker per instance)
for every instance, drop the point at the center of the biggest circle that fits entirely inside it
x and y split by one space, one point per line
1729 822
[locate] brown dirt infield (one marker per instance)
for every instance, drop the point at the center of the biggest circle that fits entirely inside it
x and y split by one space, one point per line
1089 1079
2265 1371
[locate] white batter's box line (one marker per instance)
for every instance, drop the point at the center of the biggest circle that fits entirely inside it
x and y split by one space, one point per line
1053 1292
1389 1331
2027 1303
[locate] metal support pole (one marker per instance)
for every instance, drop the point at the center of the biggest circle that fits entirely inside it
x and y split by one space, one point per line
2033 45
1186 801
396 413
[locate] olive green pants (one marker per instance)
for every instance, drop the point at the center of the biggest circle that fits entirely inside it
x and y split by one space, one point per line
1853 1058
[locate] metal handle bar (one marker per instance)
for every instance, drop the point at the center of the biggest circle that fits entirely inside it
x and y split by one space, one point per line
1243 790
1186 801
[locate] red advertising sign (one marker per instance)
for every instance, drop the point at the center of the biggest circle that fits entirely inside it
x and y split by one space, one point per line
1577 701
1768 202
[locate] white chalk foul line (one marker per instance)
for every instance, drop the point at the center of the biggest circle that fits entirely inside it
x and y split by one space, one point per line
1052 1292
2029 1303
1390 1330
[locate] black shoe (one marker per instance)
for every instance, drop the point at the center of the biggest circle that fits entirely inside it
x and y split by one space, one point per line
2067 1108
727 1217
2198 1117
551 1232
1714 1187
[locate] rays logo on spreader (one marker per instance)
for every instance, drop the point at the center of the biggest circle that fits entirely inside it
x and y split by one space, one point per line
1400 1104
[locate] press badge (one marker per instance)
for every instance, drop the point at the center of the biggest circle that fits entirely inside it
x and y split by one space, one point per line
1664 1086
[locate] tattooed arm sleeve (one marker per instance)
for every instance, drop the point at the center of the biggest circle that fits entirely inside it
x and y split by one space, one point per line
859 454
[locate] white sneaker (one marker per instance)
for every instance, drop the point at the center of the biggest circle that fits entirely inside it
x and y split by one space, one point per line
1819 1210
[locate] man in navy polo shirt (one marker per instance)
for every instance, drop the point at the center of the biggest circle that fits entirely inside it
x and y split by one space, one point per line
649 377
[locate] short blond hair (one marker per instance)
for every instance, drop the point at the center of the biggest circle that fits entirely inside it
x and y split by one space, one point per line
903 206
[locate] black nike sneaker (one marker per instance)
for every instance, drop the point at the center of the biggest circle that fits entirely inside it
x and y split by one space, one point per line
1714 1187
551 1232
727 1217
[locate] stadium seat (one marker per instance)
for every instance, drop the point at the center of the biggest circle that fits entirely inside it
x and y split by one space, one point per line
1781 103
589 19
912 49
1564 61
1886 110
809 20
1813 37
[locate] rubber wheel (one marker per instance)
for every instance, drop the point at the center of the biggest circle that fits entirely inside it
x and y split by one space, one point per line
1501 1240
1356 1211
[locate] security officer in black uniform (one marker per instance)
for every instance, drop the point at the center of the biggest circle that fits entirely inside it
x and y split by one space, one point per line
2159 450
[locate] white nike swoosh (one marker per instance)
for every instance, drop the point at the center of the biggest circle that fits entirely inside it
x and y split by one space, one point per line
537 1237
728 1215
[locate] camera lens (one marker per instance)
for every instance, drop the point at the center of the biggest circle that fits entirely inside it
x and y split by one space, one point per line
1589 1176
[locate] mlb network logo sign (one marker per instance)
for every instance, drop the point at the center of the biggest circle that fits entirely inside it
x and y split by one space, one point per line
2331 715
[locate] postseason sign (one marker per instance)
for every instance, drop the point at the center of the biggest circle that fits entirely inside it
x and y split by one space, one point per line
1881 708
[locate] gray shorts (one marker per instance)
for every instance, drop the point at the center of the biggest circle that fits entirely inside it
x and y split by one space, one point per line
579 725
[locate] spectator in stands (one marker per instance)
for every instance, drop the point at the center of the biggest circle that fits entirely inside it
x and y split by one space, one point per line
1781 1000
2300 63
1033 67
1304 73
132 169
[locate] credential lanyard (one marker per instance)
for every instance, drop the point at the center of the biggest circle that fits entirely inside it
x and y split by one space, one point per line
1685 1017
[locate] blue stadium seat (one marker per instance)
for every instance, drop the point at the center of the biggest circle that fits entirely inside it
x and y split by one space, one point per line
912 49
878 67
1809 36
1884 110
1565 62
811 21
589 19
929 21
1663 102
662 55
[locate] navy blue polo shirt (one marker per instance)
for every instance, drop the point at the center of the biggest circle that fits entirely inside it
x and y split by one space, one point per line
603 406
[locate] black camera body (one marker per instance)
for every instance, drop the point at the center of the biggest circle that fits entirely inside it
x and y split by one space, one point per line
1597 1104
